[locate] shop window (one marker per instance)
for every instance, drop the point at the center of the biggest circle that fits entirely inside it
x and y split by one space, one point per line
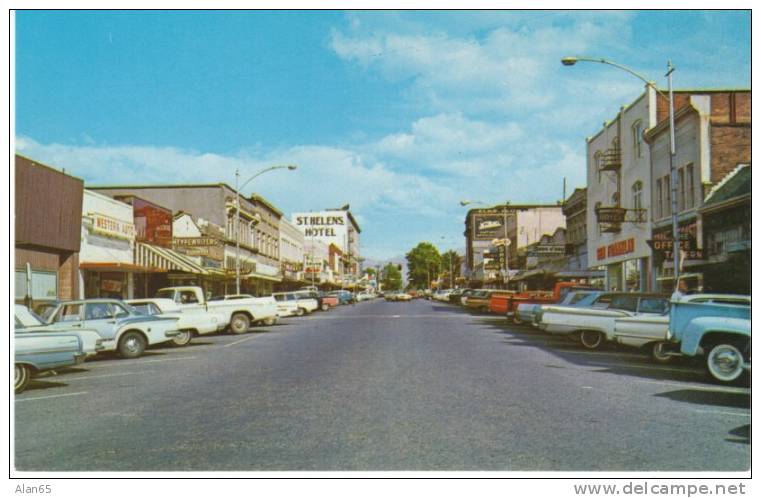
44 285
680 186
667 188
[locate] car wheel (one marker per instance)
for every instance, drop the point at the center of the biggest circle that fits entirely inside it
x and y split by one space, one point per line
131 345
239 324
659 353
22 376
324 307
183 339
591 339
725 362
517 321
300 312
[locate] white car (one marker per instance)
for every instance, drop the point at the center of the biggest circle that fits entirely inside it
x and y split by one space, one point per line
27 322
304 303
594 325
653 330
365 296
190 322
120 327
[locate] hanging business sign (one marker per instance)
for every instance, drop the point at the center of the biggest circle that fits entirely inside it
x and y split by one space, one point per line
206 247
610 214
489 225
662 243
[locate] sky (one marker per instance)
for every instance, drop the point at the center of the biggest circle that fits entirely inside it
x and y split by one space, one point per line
399 114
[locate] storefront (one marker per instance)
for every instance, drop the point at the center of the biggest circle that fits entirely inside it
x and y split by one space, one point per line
691 256
107 251
624 266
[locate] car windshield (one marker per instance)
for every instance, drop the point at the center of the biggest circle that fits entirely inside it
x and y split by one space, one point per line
27 317
165 294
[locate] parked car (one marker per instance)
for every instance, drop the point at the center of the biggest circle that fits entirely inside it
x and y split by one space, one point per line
442 295
526 312
398 296
344 297
454 296
313 294
329 299
594 325
37 352
29 322
287 304
509 304
718 327
465 295
190 322
365 296
120 327
478 300
304 303
238 314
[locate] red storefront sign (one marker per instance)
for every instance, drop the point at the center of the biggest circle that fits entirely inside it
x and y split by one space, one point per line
616 249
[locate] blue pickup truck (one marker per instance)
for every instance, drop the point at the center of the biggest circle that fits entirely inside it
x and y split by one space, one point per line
716 325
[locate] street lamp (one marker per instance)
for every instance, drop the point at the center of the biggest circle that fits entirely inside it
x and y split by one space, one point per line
451 276
570 61
506 242
290 167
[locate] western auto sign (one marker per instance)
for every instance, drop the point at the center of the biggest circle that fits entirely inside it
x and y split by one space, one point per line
620 248
111 227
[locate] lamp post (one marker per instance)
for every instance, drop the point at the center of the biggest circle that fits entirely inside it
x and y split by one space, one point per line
506 242
570 61
290 167
451 276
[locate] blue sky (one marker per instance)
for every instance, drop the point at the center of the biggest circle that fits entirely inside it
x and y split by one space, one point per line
400 114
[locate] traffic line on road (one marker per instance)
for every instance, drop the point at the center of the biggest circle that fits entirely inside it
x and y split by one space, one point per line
137 362
122 374
238 341
715 389
52 396
718 412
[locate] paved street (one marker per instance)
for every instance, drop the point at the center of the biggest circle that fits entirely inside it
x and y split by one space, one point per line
383 386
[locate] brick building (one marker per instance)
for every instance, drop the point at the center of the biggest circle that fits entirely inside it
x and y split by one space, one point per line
713 136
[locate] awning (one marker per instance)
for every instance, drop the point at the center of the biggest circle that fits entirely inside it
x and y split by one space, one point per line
681 276
264 277
119 266
580 274
167 260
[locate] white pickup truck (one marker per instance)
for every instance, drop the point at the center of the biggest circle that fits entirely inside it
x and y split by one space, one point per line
235 314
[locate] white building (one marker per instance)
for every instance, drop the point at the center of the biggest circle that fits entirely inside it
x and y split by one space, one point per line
618 197
291 250
106 255
333 226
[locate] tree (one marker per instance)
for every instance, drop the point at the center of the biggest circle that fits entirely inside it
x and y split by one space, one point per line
391 277
423 265
450 261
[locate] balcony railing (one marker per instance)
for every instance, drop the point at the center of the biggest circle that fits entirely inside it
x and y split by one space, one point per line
611 160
